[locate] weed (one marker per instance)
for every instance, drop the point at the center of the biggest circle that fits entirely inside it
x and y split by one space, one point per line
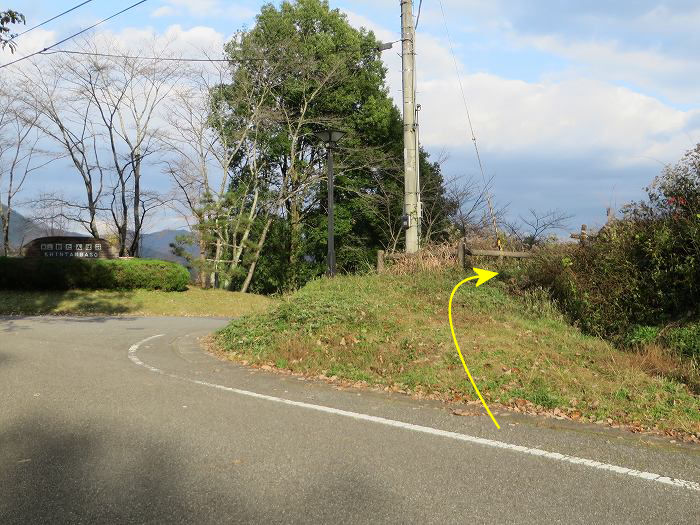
393 330
641 335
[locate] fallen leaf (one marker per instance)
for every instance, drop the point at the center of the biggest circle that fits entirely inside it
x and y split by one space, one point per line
463 412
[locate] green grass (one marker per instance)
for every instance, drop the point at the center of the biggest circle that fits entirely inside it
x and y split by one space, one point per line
392 330
194 302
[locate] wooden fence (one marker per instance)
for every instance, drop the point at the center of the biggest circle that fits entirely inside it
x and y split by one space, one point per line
462 250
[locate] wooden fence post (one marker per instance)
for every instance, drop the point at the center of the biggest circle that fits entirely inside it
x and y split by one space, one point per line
380 261
610 216
460 254
582 236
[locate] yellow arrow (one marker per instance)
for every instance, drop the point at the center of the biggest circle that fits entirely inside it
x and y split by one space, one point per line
481 276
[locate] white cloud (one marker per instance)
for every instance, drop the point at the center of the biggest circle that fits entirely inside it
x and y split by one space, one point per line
27 44
165 10
665 20
562 116
203 9
196 41
649 48
671 76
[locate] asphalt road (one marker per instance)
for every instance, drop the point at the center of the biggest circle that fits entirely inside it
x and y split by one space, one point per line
93 433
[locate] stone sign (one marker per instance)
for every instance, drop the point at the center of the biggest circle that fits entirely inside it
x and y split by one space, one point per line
83 247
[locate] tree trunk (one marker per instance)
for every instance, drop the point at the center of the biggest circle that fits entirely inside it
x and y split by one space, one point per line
217 257
92 209
258 249
294 240
6 229
202 277
135 242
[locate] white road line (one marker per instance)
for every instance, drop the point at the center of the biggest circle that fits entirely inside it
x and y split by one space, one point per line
648 476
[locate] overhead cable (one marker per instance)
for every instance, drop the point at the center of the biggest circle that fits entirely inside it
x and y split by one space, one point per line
74 35
137 57
469 120
420 4
51 19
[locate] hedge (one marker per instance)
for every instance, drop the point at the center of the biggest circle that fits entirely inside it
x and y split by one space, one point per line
19 273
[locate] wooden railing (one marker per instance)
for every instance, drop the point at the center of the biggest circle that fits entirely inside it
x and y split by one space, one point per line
462 251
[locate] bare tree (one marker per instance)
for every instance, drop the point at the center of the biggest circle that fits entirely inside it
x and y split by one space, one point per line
103 113
535 225
19 155
220 176
65 118
381 203
49 216
126 93
471 215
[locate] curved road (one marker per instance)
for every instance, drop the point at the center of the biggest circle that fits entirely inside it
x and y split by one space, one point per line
100 424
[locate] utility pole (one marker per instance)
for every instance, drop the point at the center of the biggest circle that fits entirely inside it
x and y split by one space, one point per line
419 202
408 59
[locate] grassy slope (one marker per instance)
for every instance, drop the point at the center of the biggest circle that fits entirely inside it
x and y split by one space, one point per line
193 302
394 331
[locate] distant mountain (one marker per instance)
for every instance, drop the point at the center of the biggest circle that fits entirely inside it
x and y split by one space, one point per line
154 245
157 246
22 230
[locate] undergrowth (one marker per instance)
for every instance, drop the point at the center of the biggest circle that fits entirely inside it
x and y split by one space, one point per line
392 330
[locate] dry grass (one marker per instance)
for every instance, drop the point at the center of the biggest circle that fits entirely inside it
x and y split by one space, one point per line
656 360
432 258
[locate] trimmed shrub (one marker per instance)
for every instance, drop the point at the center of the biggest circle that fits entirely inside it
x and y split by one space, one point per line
18 273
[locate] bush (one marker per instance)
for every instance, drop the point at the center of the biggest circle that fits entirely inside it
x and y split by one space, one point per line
637 274
684 339
633 273
109 274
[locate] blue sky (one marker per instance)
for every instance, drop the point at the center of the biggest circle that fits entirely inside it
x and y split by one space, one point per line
576 104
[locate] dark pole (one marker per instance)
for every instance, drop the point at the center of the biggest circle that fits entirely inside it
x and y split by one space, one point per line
331 237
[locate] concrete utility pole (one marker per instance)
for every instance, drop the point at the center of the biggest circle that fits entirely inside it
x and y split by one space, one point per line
411 189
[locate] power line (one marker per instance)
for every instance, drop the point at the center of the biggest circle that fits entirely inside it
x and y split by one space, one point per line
469 120
136 57
47 51
74 35
165 59
51 19
420 4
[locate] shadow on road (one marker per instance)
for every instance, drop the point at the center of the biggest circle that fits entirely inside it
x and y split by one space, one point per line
51 301
5 358
13 323
70 475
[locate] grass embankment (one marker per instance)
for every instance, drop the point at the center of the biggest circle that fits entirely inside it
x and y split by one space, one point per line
393 331
194 302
